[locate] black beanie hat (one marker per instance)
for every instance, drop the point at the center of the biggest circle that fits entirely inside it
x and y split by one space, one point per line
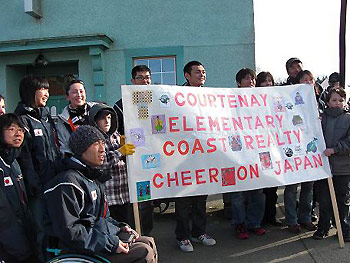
83 137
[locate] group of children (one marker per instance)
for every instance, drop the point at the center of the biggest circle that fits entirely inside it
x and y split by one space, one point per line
32 146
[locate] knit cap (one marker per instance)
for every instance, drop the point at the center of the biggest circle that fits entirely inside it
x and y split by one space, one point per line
83 137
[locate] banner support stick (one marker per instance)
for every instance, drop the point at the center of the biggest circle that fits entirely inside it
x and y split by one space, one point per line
336 212
137 217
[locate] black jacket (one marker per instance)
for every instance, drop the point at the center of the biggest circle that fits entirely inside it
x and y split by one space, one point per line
336 131
77 210
40 153
118 108
16 235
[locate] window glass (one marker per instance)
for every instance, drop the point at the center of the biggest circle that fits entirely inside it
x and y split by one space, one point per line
162 68
157 78
168 65
154 65
169 79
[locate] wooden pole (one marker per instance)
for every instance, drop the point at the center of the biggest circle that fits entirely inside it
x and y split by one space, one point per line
137 217
336 212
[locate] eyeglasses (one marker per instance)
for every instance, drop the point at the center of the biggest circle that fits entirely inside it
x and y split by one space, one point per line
14 130
143 77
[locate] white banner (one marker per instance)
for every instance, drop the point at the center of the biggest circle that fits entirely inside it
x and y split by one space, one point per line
196 140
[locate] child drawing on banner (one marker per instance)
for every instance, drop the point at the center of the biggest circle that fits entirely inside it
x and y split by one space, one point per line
150 160
235 142
144 190
137 137
265 160
158 124
228 176
298 99
279 104
164 100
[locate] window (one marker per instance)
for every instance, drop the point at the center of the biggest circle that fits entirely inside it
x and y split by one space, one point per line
163 69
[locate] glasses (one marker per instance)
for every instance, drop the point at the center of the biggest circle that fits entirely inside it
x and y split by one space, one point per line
143 77
14 130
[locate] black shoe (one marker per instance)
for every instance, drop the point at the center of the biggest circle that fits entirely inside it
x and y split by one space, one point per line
309 226
320 234
275 222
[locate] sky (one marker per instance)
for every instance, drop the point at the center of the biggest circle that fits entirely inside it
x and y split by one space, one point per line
307 29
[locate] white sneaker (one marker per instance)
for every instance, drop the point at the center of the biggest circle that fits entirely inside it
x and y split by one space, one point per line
185 245
205 240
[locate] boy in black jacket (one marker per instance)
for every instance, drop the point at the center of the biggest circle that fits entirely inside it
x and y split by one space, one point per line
77 206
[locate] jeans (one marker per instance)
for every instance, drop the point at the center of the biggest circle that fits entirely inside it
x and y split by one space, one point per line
305 203
248 207
187 208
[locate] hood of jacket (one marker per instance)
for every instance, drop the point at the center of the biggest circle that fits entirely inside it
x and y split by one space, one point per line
96 109
37 113
79 165
9 155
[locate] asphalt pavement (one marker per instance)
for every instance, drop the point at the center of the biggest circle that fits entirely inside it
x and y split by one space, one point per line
277 245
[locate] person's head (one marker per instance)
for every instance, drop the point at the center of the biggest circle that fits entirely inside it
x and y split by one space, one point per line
103 120
75 93
264 79
336 98
11 130
103 117
334 80
2 105
293 67
305 77
88 143
246 78
34 91
141 75
195 73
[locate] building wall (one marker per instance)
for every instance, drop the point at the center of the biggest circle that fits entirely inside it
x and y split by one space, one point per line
219 33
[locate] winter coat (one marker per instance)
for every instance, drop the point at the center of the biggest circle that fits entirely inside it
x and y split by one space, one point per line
77 210
336 131
114 166
16 236
118 108
65 125
40 153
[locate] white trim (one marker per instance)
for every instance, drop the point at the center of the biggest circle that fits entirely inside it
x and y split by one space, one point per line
71 184
33 118
77 161
9 166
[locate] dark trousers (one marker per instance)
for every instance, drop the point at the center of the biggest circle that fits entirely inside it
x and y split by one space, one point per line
37 206
187 208
125 213
342 188
270 204
144 250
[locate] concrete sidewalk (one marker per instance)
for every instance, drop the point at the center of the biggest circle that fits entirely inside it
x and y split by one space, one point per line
277 245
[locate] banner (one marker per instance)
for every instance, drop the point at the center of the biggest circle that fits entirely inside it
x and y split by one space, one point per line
196 140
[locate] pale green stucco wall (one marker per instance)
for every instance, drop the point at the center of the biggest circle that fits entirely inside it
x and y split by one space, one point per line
218 33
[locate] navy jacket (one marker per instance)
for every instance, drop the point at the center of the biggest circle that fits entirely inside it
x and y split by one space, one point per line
40 153
16 235
77 210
